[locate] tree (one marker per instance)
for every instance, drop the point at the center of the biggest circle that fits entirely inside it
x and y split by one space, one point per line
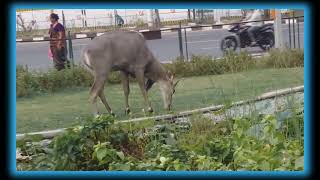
157 18
84 18
244 12
20 23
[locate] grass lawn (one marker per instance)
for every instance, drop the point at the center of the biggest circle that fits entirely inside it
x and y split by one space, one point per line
70 107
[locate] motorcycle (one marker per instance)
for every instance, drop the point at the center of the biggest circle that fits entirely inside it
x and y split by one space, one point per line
264 37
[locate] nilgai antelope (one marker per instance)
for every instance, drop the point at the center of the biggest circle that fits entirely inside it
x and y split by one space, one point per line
128 53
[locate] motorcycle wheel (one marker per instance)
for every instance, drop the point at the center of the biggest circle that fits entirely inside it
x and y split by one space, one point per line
267 41
229 44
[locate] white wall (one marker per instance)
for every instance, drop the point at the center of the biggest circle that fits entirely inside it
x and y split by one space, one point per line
102 17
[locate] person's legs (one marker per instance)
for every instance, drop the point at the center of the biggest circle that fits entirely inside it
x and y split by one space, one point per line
60 59
58 63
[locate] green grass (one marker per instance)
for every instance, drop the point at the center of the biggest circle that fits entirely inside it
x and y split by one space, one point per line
64 109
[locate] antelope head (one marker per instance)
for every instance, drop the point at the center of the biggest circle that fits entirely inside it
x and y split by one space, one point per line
167 87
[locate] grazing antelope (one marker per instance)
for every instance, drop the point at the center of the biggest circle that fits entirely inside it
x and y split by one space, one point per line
128 53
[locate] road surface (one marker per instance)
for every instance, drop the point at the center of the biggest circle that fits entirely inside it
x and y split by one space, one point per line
35 54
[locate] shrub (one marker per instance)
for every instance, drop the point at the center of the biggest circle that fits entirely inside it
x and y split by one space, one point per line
100 144
140 23
206 65
285 59
51 81
237 62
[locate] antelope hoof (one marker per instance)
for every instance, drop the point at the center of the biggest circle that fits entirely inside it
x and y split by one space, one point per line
112 114
127 111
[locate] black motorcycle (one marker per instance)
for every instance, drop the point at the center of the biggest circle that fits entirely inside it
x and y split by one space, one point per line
264 37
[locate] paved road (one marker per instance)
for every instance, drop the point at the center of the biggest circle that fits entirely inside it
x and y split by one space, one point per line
35 54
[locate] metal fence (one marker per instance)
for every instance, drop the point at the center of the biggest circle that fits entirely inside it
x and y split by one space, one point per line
170 43
35 23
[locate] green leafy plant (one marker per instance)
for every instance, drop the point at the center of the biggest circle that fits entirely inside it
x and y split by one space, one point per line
231 144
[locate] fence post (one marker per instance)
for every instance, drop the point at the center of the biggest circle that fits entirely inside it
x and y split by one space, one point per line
289 23
186 42
94 22
298 33
64 25
180 41
194 15
277 27
70 49
115 19
293 31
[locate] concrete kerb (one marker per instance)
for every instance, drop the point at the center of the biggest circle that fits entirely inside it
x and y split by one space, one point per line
163 30
50 134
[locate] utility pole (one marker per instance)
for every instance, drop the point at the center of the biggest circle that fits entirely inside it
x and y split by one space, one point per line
277 28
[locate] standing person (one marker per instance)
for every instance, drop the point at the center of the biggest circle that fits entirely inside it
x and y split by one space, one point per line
58 43
256 15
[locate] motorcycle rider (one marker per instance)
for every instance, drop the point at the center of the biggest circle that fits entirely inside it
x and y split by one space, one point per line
254 15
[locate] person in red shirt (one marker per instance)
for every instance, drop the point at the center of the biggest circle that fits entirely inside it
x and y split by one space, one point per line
58 43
